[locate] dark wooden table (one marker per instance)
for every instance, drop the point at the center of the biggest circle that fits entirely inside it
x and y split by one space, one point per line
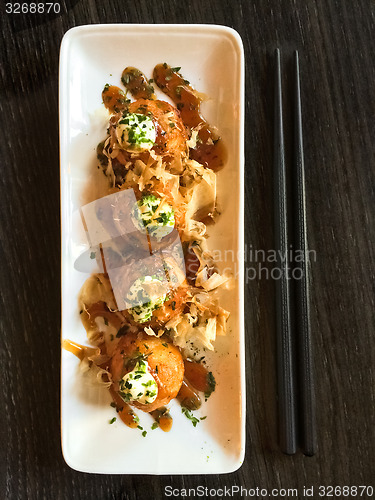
336 40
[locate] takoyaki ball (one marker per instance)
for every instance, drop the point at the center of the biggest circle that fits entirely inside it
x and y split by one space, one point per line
164 363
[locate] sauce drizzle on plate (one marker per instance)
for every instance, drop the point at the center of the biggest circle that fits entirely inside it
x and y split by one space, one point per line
210 150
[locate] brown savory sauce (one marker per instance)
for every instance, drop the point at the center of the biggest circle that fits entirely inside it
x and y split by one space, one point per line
135 81
197 375
210 151
100 309
208 220
196 379
114 99
192 265
124 411
188 396
81 351
163 418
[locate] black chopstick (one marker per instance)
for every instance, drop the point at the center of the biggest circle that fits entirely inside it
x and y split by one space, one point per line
285 368
302 296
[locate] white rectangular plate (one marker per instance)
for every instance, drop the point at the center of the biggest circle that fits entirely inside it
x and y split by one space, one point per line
211 58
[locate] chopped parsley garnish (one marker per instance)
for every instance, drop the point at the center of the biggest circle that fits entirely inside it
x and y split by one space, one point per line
144 434
163 218
113 420
211 382
148 383
125 396
92 255
154 426
188 414
176 69
150 394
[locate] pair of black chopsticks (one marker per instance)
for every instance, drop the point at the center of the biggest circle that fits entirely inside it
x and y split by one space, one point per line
296 397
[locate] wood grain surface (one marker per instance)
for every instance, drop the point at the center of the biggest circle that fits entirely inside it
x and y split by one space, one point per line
337 58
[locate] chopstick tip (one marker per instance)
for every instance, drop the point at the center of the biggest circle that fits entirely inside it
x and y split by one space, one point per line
309 453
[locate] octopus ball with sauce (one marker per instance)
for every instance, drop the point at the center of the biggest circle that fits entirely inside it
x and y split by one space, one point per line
164 365
171 135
